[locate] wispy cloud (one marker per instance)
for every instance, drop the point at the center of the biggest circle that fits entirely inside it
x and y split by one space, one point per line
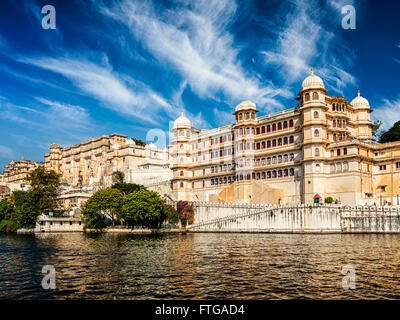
117 92
388 112
304 42
194 38
6 152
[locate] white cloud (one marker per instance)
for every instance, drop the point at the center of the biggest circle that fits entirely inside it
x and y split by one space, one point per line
304 43
388 113
6 152
119 93
193 37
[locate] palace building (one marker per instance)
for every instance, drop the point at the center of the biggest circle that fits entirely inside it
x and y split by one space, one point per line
321 148
92 162
17 171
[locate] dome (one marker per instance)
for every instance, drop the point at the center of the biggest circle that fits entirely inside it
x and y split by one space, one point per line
130 142
182 122
151 146
359 101
245 105
312 82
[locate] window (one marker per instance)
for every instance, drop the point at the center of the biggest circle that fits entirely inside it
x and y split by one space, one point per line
279 125
315 95
344 150
268 128
383 167
315 114
338 152
258 131
269 160
263 145
268 174
181 184
279 159
273 159
383 188
279 173
285 158
291 171
279 141
285 140
274 143
316 152
291 139
285 125
192 185
397 165
307 97
268 144
290 123
316 133
285 172
274 174
334 123
291 156
181 173
258 146
274 127
345 166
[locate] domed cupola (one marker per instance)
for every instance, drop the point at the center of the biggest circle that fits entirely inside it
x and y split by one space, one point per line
182 122
360 102
312 82
246 105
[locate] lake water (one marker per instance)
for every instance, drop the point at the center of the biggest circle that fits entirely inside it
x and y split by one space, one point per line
199 266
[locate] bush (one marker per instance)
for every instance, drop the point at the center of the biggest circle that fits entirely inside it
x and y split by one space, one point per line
8 226
328 200
186 213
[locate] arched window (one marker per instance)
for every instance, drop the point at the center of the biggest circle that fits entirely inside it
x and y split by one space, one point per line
274 127
291 171
316 152
181 173
307 97
316 133
268 144
268 128
273 159
274 174
263 145
334 123
290 123
315 95
279 159
240 116
269 160
274 143
317 168
269 174
181 184
291 139
253 115
279 173
285 140
286 172
262 129
279 141
286 158
284 124
291 157
258 131
315 114
247 116
334 137
279 125
333 107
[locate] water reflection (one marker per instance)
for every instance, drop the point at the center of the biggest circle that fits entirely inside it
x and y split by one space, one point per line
199 266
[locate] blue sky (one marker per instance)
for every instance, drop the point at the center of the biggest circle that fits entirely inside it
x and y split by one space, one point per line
131 66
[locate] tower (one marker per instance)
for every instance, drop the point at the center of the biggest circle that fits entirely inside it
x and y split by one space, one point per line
181 158
362 117
313 107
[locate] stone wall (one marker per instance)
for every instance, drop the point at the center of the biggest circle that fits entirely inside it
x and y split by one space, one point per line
295 218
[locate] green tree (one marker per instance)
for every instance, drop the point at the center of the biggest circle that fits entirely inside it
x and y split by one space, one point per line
376 133
328 200
172 215
105 202
118 177
6 209
393 134
143 207
139 142
127 188
42 177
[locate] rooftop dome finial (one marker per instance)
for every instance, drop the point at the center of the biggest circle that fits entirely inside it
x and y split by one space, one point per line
358 92
312 71
182 112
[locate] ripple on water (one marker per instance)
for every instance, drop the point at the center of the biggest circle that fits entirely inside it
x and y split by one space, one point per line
199 266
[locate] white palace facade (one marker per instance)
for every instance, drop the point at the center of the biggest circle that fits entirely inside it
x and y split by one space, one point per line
321 148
